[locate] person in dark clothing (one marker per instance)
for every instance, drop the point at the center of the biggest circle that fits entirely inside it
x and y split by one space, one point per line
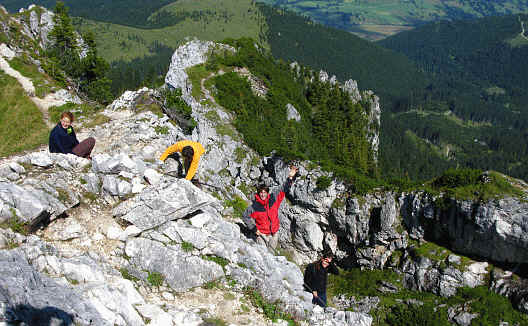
315 278
63 139
262 216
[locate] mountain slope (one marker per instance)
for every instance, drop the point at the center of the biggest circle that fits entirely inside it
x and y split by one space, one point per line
121 229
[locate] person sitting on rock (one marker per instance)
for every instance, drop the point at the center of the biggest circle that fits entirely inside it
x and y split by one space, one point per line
262 216
191 152
62 139
315 277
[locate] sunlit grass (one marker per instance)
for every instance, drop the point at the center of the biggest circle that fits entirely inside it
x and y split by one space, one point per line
21 123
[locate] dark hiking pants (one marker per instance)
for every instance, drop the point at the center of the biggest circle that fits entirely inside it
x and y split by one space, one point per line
84 149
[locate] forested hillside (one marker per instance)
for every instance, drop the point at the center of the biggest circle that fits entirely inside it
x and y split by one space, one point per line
375 19
480 71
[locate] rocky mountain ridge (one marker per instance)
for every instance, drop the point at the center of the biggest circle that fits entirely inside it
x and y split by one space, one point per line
125 242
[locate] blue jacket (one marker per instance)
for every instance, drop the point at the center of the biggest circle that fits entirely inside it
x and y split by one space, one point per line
60 141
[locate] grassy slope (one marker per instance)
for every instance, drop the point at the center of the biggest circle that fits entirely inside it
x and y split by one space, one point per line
376 19
225 18
21 124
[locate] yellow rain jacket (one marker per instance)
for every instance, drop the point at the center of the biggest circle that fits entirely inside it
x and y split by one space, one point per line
198 151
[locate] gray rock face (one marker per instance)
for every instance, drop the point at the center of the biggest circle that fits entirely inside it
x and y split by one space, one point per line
504 283
154 256
190 54
41 25
170 200
6 52
495 229
292 113
28 294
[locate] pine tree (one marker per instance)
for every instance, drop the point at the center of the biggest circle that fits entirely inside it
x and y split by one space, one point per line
64 49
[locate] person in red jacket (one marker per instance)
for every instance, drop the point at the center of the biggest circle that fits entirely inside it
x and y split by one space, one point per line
262 216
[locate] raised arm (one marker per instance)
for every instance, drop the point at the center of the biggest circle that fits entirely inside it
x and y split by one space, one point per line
288 182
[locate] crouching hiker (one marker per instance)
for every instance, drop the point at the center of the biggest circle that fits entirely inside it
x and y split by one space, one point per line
315 277
191 152
262 216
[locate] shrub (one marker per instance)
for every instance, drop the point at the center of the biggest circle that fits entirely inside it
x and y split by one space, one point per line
323 182
179 109
417 315
155 278
453 178
491 307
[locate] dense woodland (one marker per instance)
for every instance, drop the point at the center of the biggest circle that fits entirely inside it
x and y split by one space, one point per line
480 74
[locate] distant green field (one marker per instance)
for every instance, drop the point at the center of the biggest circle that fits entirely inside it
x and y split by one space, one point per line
222 19
375 19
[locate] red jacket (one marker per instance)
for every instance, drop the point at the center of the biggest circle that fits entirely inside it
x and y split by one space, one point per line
264 214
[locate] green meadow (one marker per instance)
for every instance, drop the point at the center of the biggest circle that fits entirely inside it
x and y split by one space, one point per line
202 19
21 124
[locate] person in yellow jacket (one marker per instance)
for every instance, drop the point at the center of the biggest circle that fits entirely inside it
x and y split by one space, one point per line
191 152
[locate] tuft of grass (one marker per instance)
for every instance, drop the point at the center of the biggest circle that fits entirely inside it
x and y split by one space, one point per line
187 246
214 321
63 195
229 296
16 224
99 119
72 281
219 260
126 275
161 130
226 130
18 115
244 308
240 154
155 278
211 285
239 205
271 310
90 196
154 108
